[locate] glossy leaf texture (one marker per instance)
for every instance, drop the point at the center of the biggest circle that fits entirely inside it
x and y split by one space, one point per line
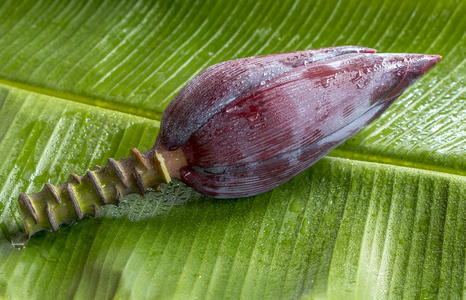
383 215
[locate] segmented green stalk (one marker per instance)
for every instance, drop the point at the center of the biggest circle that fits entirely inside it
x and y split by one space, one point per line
82 196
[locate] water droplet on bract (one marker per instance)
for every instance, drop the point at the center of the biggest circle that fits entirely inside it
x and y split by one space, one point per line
252 117
326 82
262 82
230 109
185 174
356 78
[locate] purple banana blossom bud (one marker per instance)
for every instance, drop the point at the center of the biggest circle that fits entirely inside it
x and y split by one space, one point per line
248 125
243 127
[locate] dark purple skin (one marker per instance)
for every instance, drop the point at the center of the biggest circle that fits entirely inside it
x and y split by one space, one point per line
249 125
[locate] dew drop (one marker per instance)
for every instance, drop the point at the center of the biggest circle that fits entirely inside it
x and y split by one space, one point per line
326 82
295 206
253 117
230 109
185 173
305 226
19 240
356 78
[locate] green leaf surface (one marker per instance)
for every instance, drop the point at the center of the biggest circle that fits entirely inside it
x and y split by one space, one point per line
382 216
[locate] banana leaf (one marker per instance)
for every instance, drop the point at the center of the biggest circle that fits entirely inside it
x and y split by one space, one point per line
382 216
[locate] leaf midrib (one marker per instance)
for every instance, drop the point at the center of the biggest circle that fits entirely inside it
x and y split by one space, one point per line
82 99
337 153
390 161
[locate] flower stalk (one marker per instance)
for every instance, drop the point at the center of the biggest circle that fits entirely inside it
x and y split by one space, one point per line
83 196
